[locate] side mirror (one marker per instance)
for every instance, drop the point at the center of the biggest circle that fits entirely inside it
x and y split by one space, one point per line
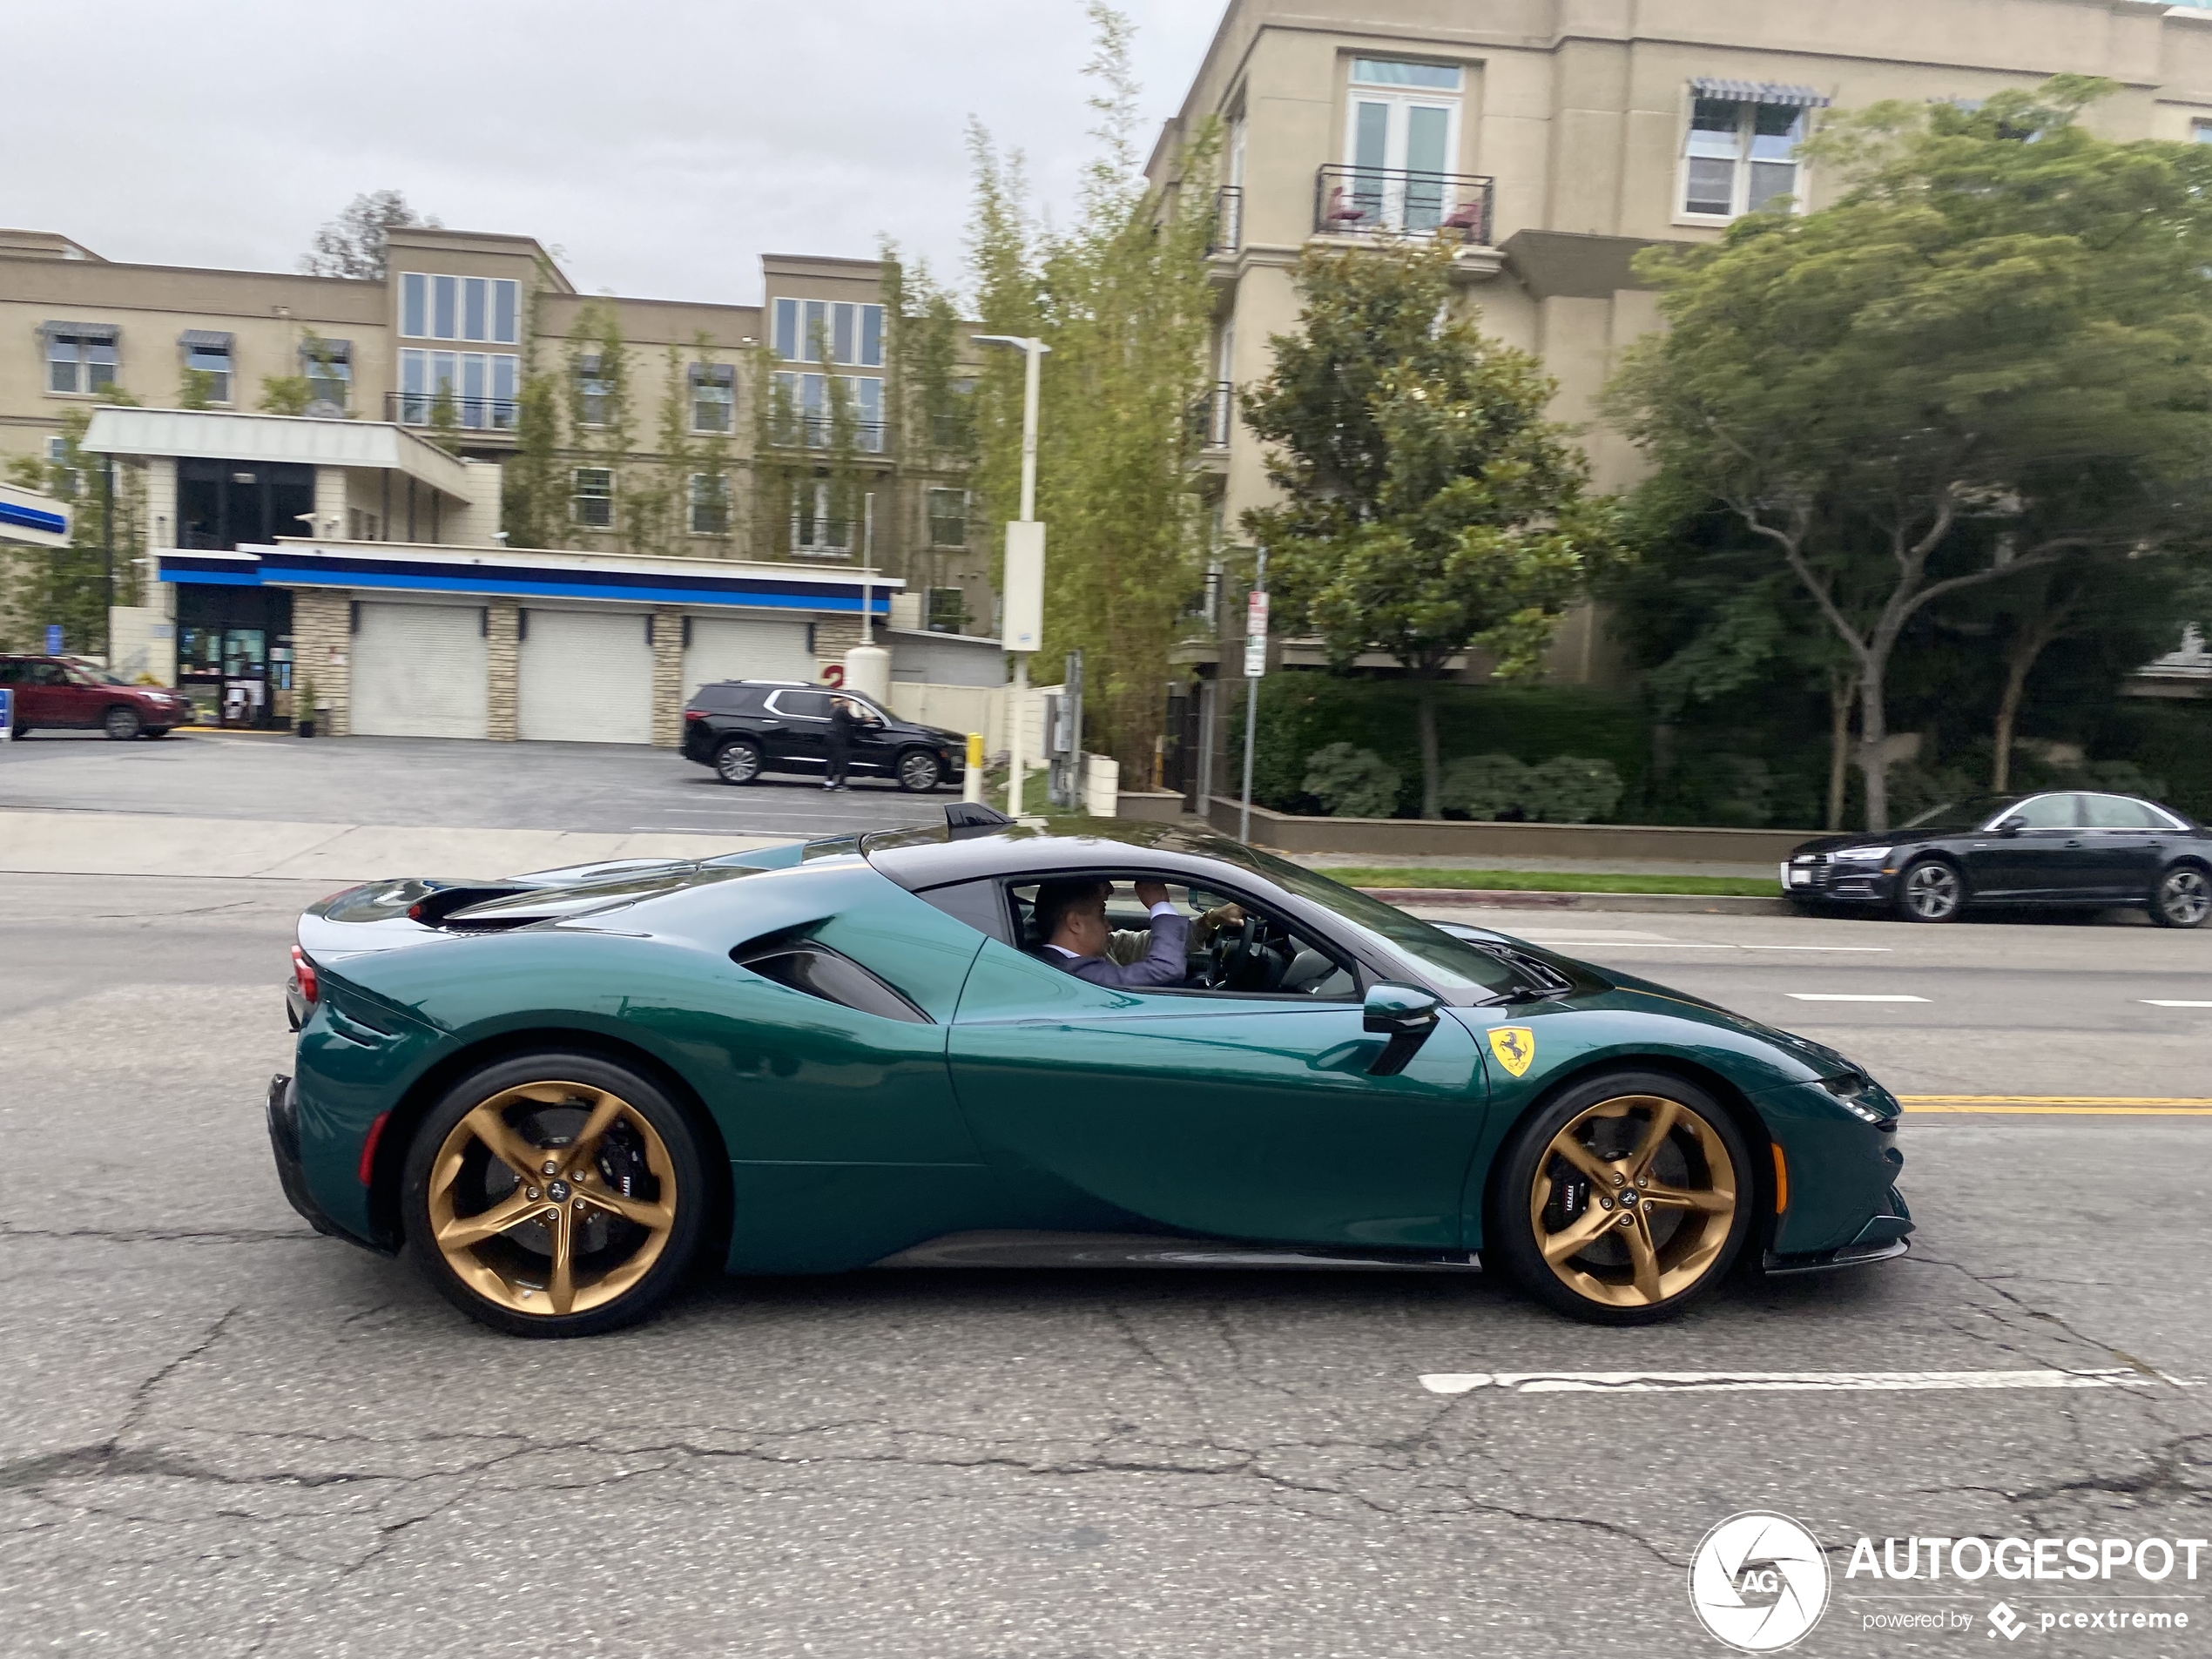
2012 825
1405 1014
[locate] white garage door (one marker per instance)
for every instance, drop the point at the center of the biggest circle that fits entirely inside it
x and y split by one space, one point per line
745 648
418 671
585 677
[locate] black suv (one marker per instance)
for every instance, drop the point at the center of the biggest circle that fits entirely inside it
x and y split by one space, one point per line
744 728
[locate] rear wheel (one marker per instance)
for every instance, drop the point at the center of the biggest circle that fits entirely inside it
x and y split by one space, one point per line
1932 890
554 1195
122 724
2183 898
1625 1200
738 761
920 772
157 731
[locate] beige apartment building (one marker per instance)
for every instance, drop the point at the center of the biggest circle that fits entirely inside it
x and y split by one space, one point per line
685 437
1552 139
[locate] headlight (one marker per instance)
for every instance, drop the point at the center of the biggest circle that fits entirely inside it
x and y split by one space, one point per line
1861 854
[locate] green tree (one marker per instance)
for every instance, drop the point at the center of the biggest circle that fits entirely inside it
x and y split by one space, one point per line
196 388
71 585
1989 356
1428 507
352 245
534 492
1123 298
601 415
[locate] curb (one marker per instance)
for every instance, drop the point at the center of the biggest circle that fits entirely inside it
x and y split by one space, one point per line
1702 904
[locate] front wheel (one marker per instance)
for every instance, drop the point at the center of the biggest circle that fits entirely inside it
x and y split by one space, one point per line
2183 899
554 1195
920 772
738 761
122 724
1931 891
1625 1200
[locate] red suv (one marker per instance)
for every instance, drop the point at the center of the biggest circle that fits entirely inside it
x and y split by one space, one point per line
61 691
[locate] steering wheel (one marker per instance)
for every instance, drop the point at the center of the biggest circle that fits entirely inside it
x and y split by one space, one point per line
1231 956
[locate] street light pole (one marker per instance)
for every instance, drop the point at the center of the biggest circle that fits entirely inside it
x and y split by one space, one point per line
1032 352
1254 665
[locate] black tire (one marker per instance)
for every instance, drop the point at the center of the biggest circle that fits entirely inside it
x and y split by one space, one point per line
918 771
2183 898
739 761
156 732
491 1279
121 723
1703 1243
1930 890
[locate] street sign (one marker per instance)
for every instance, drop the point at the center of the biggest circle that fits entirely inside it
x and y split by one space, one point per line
53 639
1022 628
1256 635
7 714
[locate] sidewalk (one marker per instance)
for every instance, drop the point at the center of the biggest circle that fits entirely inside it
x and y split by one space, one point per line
91 843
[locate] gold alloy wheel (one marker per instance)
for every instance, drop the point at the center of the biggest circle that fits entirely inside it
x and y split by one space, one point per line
1633 1200
552 1198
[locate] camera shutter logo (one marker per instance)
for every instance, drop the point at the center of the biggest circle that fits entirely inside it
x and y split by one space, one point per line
1759 1582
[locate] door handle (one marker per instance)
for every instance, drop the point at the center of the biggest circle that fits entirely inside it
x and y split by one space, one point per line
2076 841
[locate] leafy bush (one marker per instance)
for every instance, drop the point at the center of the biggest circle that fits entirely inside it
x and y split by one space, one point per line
1573 789
1351 782
1488 786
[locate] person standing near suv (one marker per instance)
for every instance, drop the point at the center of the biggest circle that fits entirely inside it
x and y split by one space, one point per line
839 742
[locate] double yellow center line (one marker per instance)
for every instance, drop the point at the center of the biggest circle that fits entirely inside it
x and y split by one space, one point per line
2061 1105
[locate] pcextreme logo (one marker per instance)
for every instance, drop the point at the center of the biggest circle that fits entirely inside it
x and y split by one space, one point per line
1759 1582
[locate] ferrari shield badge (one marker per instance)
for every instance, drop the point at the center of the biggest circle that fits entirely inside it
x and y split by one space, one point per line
1515 1047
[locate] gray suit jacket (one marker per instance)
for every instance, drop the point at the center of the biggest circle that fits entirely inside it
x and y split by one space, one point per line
1164 964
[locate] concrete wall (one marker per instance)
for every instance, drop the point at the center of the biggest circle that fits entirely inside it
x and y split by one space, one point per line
1439 838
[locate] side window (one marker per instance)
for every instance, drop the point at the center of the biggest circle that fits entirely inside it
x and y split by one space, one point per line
981 905
1234 946
801 705
48 674
2117 812
12 674
2049 811
820 971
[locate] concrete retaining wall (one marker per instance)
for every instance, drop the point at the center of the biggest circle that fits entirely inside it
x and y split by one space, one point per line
1449 837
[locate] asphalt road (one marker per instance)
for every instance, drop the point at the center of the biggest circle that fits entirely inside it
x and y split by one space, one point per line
603 787
222 1436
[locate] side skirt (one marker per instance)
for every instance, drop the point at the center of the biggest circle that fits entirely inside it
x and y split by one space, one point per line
996 1249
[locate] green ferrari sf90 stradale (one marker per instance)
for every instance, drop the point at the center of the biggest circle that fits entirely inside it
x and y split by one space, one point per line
986 1044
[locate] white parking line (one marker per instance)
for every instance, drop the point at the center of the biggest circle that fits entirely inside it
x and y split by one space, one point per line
1652 1382
1847 996
2165 1002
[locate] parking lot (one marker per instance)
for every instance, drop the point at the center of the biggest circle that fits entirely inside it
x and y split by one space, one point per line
223 1434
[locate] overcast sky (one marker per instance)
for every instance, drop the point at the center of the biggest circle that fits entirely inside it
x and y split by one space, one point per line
662 145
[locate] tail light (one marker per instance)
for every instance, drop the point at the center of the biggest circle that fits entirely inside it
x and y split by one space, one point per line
695 714
303 974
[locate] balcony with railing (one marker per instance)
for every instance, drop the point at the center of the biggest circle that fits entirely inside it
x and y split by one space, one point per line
1210 415
469 413
819 432
1227 232
1352 200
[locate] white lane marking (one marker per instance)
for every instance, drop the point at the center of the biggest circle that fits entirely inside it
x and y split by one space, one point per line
2165 1002
1650 1382
1846 996
1878 948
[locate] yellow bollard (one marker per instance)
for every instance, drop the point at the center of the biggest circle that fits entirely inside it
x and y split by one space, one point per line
971 785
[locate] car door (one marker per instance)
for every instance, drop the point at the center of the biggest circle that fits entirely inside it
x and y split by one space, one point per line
873 746
1234 1116
2124 846
49 699
796 731
2042 859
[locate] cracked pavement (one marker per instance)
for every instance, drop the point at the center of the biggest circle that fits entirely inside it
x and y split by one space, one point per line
221 1435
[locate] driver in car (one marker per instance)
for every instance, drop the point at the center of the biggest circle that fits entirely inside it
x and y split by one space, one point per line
1072 917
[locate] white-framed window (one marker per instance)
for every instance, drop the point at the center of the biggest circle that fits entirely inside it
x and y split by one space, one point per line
2200 131
824 528
592 393
834 331
947 517
714 397
459 307
68 480
1739 157
328 365
593 497
481 385
709 503
1401 138
80 358
207 351
805 414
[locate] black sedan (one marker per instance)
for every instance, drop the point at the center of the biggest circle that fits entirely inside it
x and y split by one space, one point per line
2066 847
744 728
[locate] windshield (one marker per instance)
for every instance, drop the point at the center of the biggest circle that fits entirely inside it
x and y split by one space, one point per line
85 676
1968 814
1453 963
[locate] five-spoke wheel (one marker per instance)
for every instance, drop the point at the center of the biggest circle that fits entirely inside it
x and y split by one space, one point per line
920 772
738 761
556 1195
1932 891
2183 899
1624 1199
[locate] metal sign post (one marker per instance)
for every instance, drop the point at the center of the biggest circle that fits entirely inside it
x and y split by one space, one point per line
1255 670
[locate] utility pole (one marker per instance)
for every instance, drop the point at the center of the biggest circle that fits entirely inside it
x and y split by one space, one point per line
107 553
1255 670
1023 591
